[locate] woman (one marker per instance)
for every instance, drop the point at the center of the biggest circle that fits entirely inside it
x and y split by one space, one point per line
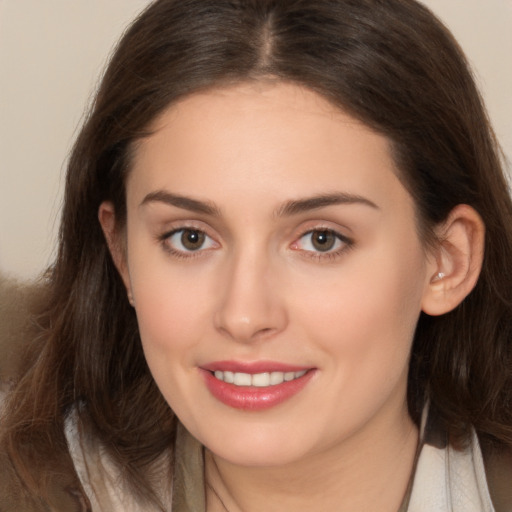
283 279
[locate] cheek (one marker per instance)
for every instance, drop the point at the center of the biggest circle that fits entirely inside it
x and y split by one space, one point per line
365 313
171 314
172 324
363 323
172 304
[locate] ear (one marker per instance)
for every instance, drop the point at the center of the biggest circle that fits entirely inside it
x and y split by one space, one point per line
456 261
116 245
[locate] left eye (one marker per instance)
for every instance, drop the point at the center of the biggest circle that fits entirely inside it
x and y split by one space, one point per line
189 240
320 240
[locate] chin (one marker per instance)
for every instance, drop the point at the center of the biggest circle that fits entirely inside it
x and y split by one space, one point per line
260 448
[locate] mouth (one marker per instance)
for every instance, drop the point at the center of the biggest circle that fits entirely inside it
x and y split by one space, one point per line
248 387
259 380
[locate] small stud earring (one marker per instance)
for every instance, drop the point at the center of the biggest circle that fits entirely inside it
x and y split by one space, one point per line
438 276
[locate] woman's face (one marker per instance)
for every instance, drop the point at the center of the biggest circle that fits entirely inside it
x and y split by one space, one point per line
277 273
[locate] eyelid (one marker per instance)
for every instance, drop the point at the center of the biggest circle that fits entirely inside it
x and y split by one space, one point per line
347 242
205 239
312 225
164 238
339 236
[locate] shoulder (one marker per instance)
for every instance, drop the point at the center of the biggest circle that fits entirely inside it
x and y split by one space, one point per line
102 480
474 477
498 469
18 303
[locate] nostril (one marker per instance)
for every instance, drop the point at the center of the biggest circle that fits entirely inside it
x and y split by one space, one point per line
264 333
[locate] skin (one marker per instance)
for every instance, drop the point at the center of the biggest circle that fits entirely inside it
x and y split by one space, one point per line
259 290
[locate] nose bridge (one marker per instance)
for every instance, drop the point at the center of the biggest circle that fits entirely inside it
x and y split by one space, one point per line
250 304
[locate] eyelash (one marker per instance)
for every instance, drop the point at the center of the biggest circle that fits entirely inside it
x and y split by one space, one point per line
331 255
164 240
347 244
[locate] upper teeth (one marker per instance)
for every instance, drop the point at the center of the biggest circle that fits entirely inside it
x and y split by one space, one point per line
257 379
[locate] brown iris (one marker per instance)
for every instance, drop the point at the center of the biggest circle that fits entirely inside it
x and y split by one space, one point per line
192 239
323 240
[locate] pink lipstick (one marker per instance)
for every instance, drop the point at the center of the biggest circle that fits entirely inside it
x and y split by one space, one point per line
254 386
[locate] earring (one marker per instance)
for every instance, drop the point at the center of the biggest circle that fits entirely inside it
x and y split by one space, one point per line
438 277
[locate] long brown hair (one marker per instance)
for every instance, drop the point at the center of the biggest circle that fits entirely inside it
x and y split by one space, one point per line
389 63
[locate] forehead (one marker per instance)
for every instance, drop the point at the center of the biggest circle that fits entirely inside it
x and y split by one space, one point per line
273 139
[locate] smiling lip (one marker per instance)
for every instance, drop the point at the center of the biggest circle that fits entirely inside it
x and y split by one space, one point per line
254 386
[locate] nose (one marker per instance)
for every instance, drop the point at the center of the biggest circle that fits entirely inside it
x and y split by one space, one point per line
251 305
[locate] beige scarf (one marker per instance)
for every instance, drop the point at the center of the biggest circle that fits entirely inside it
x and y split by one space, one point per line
445 480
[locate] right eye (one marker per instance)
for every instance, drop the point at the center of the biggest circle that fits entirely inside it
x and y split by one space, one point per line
188 240
321 241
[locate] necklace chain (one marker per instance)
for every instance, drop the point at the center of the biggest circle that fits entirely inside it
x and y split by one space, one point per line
217 495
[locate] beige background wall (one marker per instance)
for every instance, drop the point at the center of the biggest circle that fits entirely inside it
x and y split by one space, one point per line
51 55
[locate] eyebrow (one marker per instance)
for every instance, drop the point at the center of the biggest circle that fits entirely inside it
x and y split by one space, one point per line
297 206
289 208
186 203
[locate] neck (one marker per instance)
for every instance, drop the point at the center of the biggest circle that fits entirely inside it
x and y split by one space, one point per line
374 466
